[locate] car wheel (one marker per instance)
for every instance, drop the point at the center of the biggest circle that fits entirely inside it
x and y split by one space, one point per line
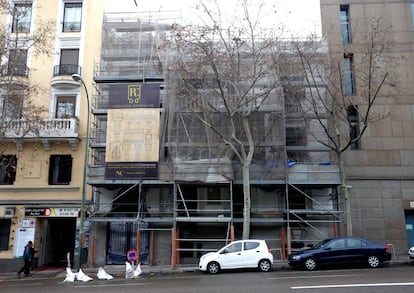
373 261
265 265
213 267
310 264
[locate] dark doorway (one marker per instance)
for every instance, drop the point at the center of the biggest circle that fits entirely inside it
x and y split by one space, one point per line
59 240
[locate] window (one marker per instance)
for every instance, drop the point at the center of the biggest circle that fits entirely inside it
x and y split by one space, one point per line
17 63
295 135
65 107
68 61
349 75
4 233
60 169
22 14
345 27
412 14
72 17
353 243
8 165
236 247
213 193
13 106
251 245
353 120
337 244
293 95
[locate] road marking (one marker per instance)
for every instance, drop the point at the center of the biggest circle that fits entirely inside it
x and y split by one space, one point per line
353 285
307 277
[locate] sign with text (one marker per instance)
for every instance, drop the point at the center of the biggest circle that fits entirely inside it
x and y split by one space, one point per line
137 95
23 236
51 212
120 170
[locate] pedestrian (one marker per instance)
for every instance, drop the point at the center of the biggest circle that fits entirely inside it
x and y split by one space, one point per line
28 255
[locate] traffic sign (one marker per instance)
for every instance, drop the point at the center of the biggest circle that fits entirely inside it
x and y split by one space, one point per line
132 255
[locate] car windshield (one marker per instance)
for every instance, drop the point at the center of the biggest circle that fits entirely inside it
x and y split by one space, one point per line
320 244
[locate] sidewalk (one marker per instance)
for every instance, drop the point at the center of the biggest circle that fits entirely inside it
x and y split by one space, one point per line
118 271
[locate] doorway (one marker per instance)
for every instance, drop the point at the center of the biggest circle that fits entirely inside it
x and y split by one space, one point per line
409 228
57 240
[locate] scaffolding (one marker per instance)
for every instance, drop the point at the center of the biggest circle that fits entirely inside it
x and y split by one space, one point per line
198 192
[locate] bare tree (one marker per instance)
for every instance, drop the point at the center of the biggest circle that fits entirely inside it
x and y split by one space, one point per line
348 84
19 37
225 74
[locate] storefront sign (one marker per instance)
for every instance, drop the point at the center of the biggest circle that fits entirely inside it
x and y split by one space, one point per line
51 212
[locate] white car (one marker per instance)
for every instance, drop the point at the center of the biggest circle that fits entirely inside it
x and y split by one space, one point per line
239 254
411 253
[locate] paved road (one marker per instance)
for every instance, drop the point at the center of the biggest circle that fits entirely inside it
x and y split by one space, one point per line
394 279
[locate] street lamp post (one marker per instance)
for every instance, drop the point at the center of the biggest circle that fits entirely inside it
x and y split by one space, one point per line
78 78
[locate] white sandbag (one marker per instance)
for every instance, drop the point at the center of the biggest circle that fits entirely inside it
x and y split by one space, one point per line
70 276
102 275
137 271
81 276
128 270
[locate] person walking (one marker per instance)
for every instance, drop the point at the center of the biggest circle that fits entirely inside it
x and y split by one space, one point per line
28 255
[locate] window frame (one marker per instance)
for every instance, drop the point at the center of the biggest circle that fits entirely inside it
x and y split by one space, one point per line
345 24
72 23
349 77
68 61
8 168
412 14
17 62
60 173
17 21
65 100
13 105
353 121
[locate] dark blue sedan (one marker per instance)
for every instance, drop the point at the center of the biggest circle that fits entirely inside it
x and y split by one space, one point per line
339 251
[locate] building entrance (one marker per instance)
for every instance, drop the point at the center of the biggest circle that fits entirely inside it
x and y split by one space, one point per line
409 228
57 239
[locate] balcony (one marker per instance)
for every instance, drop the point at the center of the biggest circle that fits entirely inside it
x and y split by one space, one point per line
15 70
44 130
16 75
62 76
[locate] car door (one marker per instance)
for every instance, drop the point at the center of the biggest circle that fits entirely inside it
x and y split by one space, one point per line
251 254
231 256
333 252
356 251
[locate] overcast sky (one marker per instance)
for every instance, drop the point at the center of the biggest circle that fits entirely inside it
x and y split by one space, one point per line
298 16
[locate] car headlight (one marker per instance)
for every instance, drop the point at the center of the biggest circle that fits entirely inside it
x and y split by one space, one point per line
296 257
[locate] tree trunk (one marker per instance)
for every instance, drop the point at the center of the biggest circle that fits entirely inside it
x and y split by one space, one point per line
345 193
246 197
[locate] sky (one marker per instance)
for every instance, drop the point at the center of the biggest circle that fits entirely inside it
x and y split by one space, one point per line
298 16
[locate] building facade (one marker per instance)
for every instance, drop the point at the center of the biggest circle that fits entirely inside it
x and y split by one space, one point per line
166 187
380 168
43 125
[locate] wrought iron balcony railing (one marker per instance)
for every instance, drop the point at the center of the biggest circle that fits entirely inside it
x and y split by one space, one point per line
66 69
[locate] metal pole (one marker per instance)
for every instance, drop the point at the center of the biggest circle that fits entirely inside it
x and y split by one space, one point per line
78 78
